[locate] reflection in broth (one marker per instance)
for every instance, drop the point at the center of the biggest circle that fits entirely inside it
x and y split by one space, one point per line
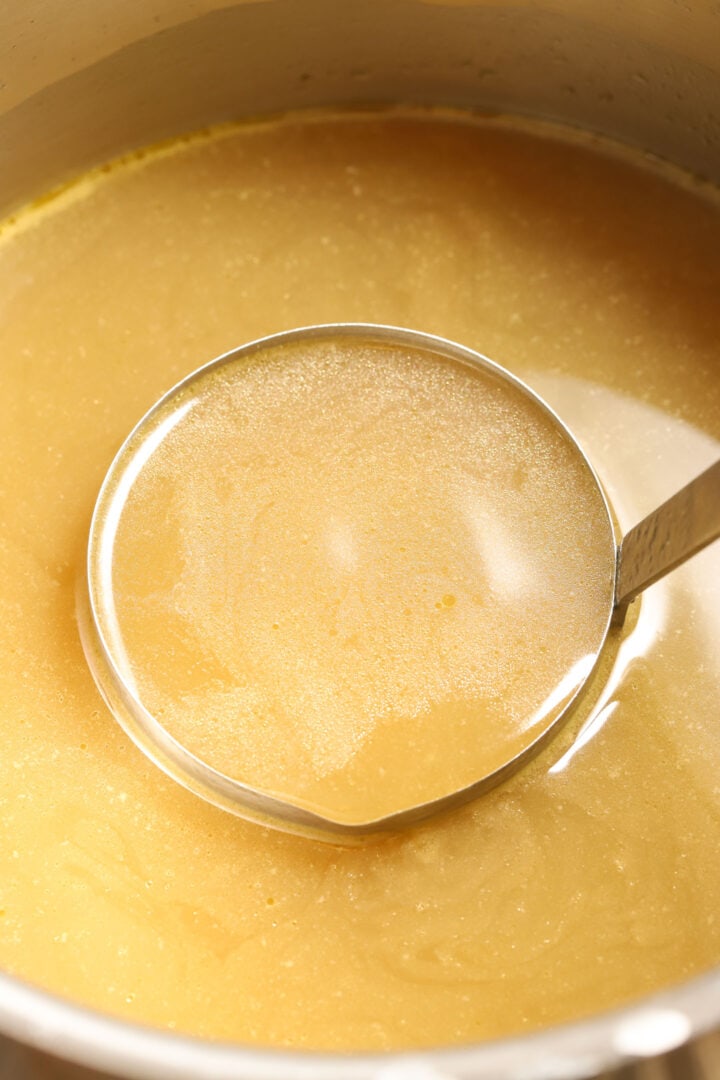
563 892
636 486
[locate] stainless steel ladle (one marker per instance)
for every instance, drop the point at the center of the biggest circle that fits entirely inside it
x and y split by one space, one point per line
682 526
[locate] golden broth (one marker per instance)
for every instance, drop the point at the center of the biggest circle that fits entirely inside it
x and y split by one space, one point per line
588 880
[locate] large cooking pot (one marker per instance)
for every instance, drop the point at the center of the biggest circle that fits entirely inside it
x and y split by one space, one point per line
82 82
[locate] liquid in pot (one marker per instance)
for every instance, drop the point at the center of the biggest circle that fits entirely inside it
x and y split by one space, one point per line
586 881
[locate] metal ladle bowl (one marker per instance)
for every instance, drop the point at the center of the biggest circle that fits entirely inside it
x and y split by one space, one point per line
674 532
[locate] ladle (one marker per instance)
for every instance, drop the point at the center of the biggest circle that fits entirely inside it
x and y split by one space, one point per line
671 534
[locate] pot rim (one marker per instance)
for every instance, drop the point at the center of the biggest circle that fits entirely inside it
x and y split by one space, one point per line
654 1025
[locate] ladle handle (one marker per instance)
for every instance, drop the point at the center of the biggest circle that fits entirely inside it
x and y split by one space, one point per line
668 536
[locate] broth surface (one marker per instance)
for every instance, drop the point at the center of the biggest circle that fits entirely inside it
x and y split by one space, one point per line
586 881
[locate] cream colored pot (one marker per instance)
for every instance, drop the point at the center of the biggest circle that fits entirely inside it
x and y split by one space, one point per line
82 82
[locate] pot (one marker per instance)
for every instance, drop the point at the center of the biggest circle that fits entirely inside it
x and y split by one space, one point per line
81 83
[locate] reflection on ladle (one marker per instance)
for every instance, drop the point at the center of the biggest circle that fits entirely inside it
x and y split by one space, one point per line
685 523
487 594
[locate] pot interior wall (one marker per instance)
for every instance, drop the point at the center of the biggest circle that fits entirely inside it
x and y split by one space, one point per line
124 75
